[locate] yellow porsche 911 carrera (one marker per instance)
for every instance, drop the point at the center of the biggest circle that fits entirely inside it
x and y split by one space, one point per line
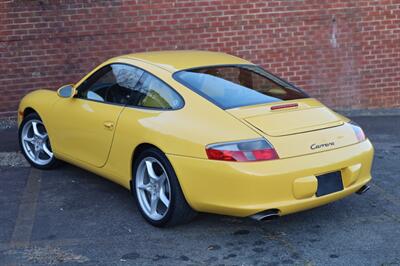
193 131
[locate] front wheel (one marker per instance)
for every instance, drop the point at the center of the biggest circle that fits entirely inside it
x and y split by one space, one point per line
157 191
35 143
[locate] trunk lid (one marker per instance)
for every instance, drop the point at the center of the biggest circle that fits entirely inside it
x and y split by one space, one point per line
295 117
307 128
294 122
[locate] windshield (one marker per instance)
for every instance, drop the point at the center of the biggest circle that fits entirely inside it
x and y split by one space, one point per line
238 85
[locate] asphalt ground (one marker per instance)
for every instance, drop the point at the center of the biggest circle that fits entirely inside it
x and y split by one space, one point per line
69 216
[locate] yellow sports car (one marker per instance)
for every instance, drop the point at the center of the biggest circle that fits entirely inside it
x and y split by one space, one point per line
193 131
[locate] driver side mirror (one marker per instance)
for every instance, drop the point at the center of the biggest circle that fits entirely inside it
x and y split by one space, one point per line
66 91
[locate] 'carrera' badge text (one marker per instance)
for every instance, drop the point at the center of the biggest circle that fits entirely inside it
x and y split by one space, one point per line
323 145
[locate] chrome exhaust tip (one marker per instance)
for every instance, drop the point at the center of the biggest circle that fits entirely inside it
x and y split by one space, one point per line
363 189
266 215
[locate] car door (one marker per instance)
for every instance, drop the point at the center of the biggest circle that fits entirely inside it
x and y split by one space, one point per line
85 124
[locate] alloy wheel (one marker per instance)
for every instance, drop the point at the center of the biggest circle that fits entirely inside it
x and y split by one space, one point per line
153 188
35 142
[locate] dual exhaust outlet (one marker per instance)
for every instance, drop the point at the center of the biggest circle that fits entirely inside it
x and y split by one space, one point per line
274 213
266 215
363 189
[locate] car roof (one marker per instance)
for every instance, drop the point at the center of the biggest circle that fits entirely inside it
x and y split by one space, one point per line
185 59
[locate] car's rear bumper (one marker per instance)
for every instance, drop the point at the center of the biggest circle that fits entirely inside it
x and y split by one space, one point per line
289 185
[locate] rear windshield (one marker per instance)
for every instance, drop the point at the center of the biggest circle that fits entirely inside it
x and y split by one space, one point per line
238 85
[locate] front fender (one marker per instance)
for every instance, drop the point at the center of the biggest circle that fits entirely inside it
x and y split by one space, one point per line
41 101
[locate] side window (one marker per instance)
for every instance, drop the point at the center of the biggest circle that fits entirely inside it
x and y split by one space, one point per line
156 94
116 83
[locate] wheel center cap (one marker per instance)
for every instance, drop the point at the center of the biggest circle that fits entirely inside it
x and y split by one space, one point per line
154 187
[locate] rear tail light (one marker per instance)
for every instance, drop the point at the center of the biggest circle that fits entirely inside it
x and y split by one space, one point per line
358 131
242 151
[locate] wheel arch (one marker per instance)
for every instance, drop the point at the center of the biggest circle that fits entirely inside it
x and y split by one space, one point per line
136 152
44 164
185 210
27 111
39 102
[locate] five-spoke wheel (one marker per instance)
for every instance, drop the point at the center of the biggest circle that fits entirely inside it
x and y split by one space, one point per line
35 142
153 188
157 190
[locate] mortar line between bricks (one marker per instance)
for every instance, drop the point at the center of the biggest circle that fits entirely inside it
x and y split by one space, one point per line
27 211
155 30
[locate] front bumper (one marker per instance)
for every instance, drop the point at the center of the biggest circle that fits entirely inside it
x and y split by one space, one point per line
289 185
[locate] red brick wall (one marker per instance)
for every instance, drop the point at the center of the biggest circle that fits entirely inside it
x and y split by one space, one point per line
345 52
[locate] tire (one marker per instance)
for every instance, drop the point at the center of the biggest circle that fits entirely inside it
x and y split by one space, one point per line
164 181
34 143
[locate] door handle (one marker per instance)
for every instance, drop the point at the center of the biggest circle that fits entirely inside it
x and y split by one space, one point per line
109 125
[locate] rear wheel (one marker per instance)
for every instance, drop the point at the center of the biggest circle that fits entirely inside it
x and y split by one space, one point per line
35 143
157 191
